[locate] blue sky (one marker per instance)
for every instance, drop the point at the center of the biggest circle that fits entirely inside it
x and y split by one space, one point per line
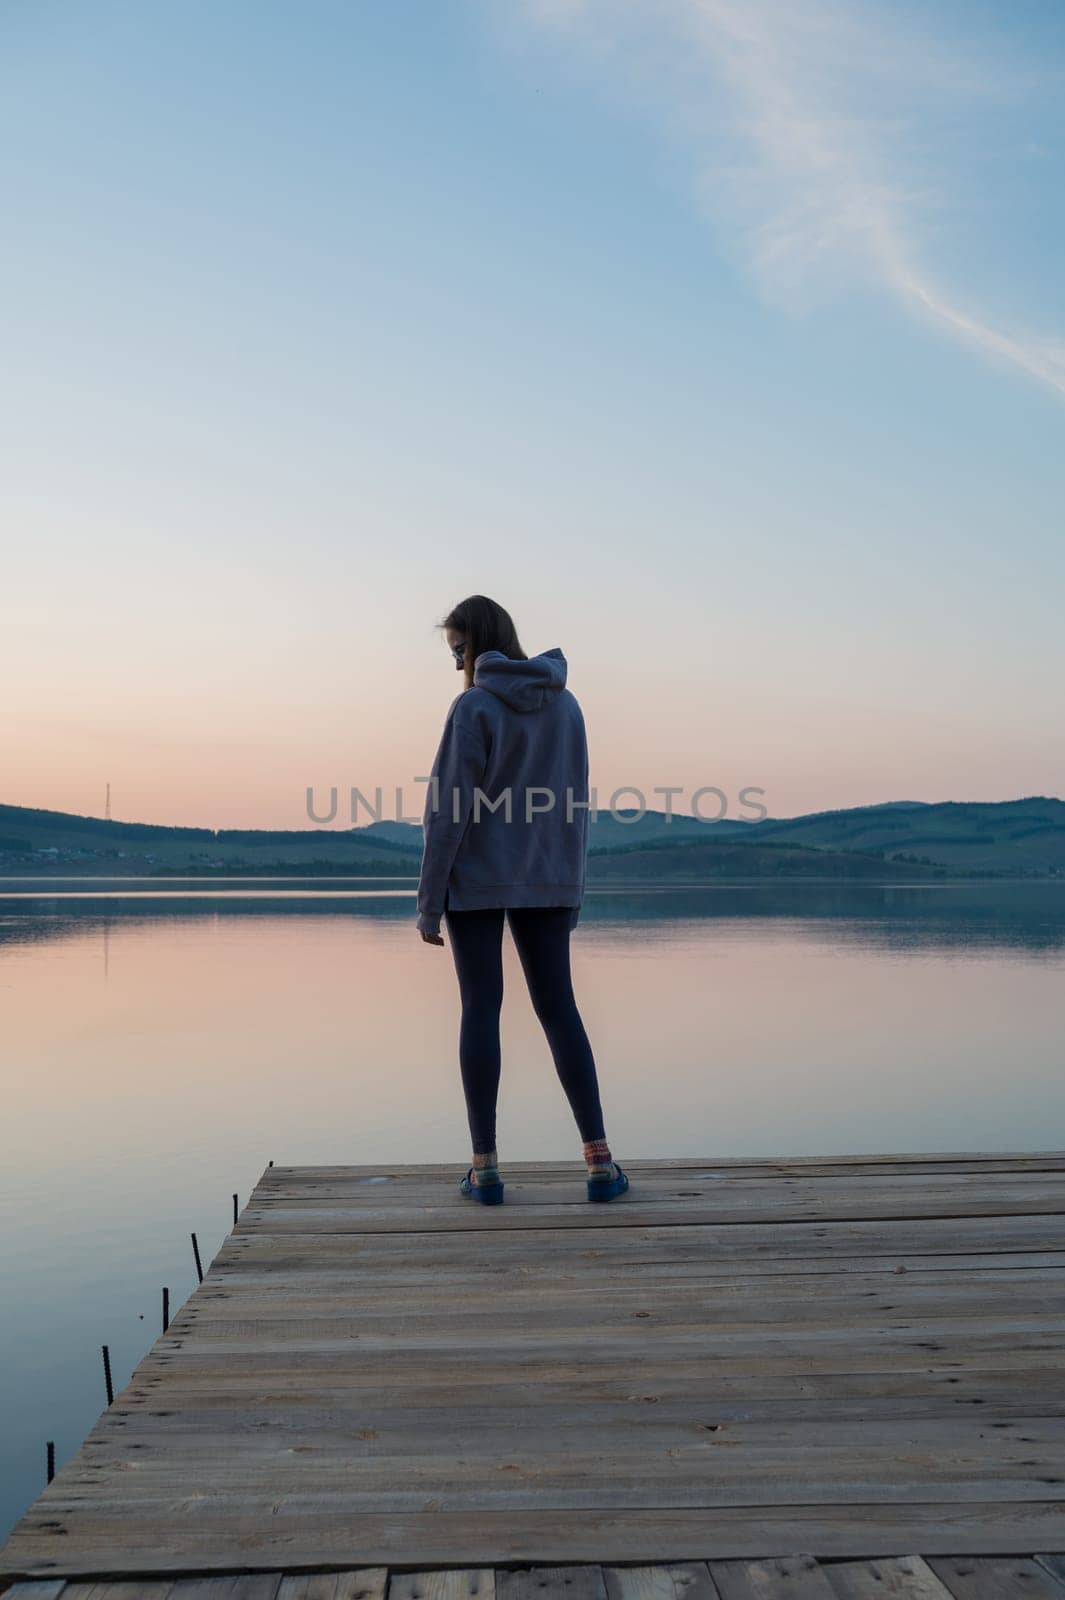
724 344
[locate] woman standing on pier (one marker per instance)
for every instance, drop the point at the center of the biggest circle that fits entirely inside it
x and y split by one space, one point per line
506 838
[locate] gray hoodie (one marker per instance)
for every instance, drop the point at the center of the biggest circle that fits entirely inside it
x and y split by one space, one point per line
519 732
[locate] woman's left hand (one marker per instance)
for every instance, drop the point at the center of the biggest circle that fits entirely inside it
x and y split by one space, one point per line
433 938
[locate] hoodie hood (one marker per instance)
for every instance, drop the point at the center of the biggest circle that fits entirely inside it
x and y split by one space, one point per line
523 685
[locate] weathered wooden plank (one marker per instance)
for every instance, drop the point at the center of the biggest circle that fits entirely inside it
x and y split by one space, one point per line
371 1583
689 1435
1019 1344
791 1577
1054 1565
568 1188
312 1272
316 1277
1001 1578
631 1212
710 1243
741 1163
47 1589
968 1379
710 1187
551 1583
905 1158
675 1331
793 1201
248 1586
706 1259
518 1485
290 1416
908 1577
688 1580
716 1310
122 1589
278 1429
553 1189
476 1583
301 1293
684 1284
301 1531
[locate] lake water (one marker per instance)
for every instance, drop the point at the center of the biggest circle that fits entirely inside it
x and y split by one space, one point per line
162 1042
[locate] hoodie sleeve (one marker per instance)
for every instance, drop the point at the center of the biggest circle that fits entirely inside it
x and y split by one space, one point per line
458 767
584 853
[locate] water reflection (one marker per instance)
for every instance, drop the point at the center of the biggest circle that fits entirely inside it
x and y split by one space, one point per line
1024 916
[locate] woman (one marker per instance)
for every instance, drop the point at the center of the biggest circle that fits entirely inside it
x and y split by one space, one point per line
506 837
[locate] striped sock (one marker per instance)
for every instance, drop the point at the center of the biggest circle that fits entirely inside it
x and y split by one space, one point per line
598 1159
485 1168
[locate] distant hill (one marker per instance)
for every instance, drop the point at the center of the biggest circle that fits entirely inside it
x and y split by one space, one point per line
606 831
54 841
1007 838
1018 836
1010 836
696 860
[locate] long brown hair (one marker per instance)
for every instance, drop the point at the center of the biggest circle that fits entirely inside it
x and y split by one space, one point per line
486 627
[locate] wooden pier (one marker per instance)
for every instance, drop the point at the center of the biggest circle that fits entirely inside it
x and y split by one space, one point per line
816 1378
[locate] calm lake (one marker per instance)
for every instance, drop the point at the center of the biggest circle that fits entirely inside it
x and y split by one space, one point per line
163 1041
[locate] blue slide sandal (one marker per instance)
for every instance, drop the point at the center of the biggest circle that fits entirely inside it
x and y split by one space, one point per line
489 1194
608 1188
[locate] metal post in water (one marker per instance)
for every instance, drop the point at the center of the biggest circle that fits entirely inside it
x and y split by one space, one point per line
166 1309
196 1253
107 1374
236 1211
50 1447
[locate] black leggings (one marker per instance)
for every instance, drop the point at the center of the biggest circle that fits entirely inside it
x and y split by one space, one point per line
541 934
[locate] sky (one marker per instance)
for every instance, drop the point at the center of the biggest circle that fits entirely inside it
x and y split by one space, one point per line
721 341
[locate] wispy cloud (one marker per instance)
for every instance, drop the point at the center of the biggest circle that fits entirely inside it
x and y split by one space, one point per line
809 122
